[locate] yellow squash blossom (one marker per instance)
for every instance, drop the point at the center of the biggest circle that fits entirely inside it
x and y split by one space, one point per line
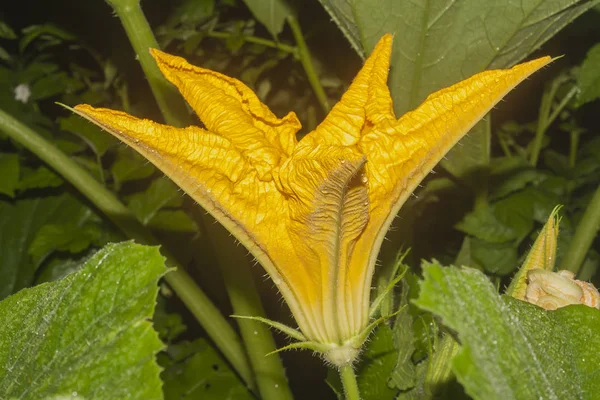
313 212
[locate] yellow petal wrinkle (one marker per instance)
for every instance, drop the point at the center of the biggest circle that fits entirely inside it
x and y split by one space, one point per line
366 102
313 212
228 107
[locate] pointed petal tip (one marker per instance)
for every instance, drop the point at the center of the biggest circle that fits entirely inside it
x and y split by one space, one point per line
536 64
384 44
160 56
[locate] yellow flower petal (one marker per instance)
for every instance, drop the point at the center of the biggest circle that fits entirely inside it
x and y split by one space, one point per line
366 102
401 154
228 107
313 213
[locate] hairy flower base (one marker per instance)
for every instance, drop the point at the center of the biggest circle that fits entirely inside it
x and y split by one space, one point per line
342 355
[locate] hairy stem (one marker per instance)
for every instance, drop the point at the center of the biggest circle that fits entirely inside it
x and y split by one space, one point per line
349 383
216 326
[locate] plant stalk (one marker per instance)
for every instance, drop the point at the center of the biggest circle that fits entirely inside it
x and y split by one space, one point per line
306 60
269 372
349 383
586 231
216 326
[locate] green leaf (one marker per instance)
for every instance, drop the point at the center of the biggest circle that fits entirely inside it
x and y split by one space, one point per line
495 258
87 335
588 78
377 364
343 14
6 31
512 349
39 178
69 237
129 166
99 141
173 221
58 268
169 326
521 208
191 13
9 173
516 181
19 223
35 31
470 158
440 43
161 192
271 13
196 371
5 55
53 85
483 224
36 71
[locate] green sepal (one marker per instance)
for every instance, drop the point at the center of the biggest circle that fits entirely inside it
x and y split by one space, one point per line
362 337
379 299
291 332
542 255
314 346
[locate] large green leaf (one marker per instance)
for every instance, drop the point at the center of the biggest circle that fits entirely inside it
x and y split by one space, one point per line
19 223
270 13
512 349
87 335
438 43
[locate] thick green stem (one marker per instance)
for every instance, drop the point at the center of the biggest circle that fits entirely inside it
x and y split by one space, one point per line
142 39
217 327
237 275
349 383
269 373
306 60
584 235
